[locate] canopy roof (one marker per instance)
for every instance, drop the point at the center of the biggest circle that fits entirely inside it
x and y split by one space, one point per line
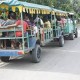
20 4
60 12
31 6
9 2
70 13
26 4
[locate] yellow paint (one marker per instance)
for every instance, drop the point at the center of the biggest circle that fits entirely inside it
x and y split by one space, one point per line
23 9
53 12
3 6
33 11
26 9
13 8
20 8
39 11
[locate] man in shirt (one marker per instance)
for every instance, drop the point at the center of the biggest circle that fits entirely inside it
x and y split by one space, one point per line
11 20
19 33
19 22
39 22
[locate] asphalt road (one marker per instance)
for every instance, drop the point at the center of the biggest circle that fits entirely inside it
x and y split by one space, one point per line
57 63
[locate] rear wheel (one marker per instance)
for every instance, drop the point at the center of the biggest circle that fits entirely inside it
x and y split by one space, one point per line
36 54
71 36
61 41
76 34
5 59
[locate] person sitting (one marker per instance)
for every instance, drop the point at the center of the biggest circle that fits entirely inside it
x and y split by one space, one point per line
59 22
39 22
33 26
47 23
11 23
2 21
19 33
63 21
26 19
11 19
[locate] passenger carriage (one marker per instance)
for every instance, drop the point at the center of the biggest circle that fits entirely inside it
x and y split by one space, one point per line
33 44
70 29
44 35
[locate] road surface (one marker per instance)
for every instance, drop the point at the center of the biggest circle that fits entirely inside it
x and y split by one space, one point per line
58 63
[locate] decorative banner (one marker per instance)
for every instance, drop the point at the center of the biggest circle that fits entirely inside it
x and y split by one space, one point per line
43 12
30 10
13 8
4 6
53 12
66 14
27 10
20 8
57 14
38 11
23 9
33 11
50 12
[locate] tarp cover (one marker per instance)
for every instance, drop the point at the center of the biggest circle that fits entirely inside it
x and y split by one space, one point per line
34 5
26 4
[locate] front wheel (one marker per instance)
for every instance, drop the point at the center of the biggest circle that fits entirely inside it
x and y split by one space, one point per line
71 36
76 34
61 41
5 59
36 54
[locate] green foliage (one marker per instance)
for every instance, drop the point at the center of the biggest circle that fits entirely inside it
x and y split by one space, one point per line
66 5
63 4
76 7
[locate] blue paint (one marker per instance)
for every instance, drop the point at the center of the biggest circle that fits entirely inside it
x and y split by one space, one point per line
32 41
9 53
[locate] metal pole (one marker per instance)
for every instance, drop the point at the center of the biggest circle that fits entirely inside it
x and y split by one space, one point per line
22 31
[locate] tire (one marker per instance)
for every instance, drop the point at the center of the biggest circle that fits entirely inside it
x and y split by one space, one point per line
61 41
36 54
76 34
71 36
5 59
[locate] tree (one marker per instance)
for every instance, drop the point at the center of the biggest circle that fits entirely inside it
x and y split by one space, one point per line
76 6
65 5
